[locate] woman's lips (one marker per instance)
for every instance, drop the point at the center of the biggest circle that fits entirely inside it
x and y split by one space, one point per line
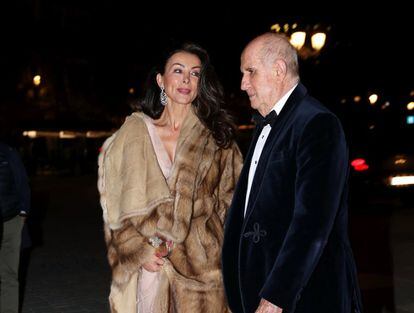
184 91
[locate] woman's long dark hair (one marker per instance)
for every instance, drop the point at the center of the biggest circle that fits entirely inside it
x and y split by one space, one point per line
208 103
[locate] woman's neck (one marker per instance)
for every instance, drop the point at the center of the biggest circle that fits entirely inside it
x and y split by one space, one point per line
173 116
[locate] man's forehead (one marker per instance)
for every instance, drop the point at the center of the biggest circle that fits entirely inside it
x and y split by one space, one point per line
248 60
251 52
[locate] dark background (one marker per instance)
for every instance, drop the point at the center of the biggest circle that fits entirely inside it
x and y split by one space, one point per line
90 53
93 57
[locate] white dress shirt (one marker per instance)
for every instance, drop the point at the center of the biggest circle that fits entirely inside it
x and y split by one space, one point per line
261 141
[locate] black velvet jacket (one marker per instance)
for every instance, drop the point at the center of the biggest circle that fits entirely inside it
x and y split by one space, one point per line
292 247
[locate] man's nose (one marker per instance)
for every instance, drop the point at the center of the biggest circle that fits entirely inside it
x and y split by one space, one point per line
244 83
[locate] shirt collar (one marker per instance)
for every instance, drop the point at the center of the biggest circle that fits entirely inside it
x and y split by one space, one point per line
282 101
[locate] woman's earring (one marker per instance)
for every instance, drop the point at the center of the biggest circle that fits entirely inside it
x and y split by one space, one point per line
163 97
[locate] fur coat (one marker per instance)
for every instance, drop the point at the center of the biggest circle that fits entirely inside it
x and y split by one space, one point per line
188 208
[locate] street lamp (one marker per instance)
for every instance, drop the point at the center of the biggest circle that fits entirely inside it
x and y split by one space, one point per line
37 79
308 40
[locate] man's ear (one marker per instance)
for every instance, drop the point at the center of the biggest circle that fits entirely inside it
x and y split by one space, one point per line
280 68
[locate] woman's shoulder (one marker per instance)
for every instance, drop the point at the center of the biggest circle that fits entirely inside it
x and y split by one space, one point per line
133 121
133 126
132 129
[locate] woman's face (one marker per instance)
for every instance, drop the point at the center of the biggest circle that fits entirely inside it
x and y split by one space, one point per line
180 78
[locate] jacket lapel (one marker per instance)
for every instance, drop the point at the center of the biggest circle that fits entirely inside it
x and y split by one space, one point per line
277 127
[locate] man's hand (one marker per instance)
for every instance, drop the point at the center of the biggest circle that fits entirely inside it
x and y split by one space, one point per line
268 307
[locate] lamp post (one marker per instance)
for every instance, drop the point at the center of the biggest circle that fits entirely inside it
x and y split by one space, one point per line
308 40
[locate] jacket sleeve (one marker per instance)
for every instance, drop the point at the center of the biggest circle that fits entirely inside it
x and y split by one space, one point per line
128 250
231 164
322 165
22 181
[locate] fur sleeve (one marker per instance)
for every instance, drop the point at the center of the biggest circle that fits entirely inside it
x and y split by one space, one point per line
128 246
230 167
128 250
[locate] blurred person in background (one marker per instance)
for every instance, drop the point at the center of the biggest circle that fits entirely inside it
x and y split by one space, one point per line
14 207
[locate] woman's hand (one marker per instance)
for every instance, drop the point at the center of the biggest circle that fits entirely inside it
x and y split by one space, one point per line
154 264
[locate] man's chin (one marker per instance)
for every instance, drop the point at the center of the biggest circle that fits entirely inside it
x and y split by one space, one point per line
254 105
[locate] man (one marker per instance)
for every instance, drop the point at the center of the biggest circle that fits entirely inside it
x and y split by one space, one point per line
14 206
286 246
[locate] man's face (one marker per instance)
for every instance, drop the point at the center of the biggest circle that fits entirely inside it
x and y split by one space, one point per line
259 80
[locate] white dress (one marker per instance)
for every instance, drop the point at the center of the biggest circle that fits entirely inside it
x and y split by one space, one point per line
148 281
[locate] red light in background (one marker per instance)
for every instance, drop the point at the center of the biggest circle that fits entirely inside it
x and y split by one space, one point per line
361 168
359 165
357 162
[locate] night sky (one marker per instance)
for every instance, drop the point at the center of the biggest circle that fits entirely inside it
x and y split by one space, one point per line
116 41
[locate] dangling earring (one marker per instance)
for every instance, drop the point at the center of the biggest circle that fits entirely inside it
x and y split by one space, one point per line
163 97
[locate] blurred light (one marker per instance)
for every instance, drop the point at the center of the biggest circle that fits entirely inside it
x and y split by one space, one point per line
373 98
31 134
357 98
67 134
402 180
371 127
64 134
276 28
131 91
37 79
412 93
97 134
361 168
42 91
410 119
245 127
410 106
400 161
318 41
297 39
343 100
385 105
359 165
357 162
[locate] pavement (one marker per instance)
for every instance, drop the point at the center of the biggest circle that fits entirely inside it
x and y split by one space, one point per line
66 271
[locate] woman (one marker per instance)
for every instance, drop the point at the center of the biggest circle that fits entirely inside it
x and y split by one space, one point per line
166 180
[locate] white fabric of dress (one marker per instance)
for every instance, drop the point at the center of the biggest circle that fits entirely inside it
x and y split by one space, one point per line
148 282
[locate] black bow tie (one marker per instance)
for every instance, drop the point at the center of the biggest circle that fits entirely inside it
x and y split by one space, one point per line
263 121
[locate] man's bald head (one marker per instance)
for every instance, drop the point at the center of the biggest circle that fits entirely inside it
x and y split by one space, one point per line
273 46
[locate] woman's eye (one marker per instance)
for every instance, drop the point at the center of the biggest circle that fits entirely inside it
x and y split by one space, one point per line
177 70
195 74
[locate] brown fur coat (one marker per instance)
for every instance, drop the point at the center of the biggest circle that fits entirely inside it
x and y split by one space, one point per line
188 208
